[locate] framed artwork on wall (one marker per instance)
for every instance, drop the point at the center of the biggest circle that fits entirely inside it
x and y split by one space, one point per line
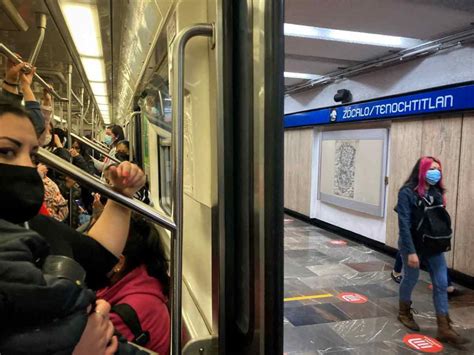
352 169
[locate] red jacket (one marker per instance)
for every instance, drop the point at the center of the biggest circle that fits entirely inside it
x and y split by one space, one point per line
144 294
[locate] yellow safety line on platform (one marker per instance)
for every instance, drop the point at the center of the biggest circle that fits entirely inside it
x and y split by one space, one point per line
301 298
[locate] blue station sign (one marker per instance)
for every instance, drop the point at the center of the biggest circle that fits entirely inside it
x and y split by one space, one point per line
440 100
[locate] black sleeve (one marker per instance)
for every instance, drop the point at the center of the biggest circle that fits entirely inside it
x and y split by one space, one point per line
63 240
82 164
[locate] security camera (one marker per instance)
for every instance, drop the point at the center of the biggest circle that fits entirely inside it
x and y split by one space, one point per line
343 96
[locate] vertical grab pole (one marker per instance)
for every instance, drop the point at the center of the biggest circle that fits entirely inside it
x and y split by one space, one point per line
179 47
69 127
93 122
81 125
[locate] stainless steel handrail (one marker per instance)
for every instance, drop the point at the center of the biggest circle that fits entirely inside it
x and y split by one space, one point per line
69 131
78 100
131 138
42 21
13 57
99 143
96 184
179 47
91 144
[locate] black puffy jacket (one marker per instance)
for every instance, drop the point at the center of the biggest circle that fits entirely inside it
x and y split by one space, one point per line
39 313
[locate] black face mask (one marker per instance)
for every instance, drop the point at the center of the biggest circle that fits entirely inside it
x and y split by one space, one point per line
21 193
122 156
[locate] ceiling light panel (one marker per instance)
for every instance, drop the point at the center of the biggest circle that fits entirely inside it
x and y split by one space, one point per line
83 22
301 75
102 100
95 68
328 34
99 89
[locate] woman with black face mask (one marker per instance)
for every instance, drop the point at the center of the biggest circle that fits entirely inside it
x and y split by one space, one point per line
45 307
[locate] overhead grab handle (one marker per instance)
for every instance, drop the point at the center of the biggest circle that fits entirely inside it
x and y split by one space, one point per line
42 21
94 146
12 56
96 184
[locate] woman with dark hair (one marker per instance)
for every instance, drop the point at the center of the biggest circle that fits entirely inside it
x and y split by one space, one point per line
140 283
44 308
113 135
115 132
424 188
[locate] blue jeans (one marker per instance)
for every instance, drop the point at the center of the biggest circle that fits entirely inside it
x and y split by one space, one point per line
438 273
397 267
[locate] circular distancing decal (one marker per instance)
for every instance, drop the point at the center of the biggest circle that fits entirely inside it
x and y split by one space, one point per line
338 242
352 297
423 343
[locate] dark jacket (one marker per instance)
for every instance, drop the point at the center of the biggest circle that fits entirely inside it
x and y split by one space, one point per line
408 215
32 107
39 313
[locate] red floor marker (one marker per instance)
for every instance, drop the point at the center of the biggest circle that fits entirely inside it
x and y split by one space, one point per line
338 242
352 297
423 343
430 286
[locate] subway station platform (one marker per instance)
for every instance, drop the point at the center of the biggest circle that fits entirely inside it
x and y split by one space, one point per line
340 299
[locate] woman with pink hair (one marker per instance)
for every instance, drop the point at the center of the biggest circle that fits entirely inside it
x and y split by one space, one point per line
424 187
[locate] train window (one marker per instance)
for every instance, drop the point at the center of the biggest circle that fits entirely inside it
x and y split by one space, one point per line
156 108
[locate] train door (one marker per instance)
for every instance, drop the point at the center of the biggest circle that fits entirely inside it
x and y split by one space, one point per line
232 169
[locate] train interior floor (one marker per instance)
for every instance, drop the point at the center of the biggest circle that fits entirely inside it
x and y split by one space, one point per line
340 299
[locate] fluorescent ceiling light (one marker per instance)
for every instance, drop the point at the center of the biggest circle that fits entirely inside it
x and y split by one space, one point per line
94 67
301 75
99 89
83 22
102 100
328 34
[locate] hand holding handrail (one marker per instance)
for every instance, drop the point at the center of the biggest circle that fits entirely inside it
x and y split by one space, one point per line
96 184
14 58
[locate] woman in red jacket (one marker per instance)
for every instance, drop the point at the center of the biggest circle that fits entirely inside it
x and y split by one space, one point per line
140 281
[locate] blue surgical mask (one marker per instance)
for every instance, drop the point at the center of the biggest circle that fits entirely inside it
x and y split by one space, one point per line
433 176
108 140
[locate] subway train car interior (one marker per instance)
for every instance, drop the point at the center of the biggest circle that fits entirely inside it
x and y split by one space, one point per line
236 177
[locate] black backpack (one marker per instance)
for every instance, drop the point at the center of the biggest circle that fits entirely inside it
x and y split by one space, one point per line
432 227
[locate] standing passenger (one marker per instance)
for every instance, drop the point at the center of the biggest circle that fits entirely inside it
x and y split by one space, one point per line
424 185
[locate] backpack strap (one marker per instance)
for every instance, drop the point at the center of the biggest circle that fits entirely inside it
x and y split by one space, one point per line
130 318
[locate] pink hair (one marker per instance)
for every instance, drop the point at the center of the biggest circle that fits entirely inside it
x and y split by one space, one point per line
425 165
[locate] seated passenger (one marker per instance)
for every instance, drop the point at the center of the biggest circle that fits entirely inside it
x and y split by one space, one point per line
79 159
43 313
56 204
123 151
113 135
140 280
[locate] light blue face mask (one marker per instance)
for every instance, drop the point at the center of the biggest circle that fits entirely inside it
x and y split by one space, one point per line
108 140
433 176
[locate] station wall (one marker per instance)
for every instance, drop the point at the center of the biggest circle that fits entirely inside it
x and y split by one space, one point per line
447 136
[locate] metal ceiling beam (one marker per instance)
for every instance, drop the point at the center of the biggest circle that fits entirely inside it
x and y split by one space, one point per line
424 49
